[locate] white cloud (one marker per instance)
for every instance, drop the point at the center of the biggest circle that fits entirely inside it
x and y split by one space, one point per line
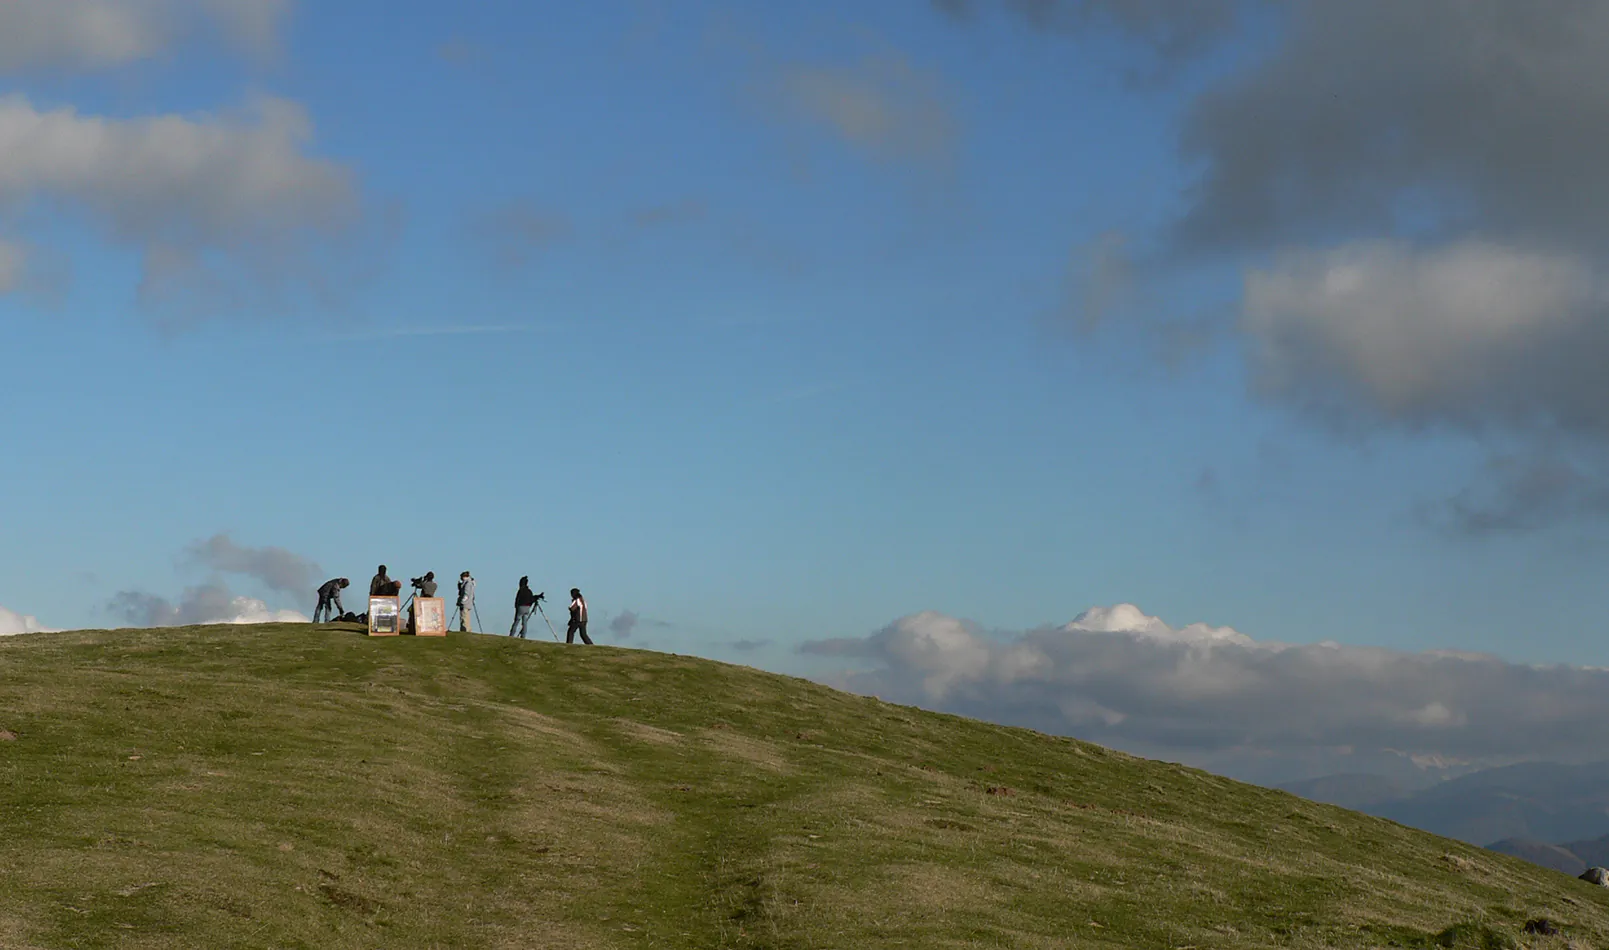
208 604
99 34
1466 333
1212 694
1435 165
13 624
184 181
216 205
943 649
252 610
1503 342
1127 618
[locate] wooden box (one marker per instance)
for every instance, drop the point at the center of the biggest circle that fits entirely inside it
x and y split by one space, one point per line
429 617
385 616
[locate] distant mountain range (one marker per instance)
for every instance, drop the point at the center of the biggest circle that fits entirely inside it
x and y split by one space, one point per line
1518 809
1351 790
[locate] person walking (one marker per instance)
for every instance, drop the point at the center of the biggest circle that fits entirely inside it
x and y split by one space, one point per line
578 618
524 605
466 601
329 599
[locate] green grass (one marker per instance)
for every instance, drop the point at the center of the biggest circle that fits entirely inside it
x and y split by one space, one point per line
285 786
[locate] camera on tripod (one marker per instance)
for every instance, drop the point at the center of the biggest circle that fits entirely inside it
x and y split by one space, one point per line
417 582
541 597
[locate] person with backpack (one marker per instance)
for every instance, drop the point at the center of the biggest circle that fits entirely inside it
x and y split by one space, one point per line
578 618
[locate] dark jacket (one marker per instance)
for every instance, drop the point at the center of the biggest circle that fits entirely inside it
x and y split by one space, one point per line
524 597
330 590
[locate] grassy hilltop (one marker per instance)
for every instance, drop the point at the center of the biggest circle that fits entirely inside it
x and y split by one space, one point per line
286 786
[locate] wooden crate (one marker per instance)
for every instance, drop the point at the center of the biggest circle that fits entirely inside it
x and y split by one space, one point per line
429 617
385 616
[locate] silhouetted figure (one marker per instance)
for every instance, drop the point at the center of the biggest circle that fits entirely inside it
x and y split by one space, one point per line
466 600
524 606
383 586
329 600
578 618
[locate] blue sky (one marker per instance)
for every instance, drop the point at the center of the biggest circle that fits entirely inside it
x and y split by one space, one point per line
777 323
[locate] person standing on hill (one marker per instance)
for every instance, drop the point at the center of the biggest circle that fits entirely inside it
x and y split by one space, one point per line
466 600
578 618
524 604
329 599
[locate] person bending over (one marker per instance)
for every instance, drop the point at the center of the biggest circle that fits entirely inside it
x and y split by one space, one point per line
578 618
329 599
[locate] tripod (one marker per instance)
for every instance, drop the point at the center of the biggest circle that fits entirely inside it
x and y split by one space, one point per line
547 621
473 607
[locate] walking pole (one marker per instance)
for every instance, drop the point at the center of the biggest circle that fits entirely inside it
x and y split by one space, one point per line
547 621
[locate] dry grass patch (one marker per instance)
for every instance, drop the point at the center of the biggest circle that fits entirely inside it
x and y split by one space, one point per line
529 720
759 752
936 888
643 732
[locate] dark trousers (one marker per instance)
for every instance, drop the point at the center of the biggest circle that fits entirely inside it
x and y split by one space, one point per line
577 626
327 605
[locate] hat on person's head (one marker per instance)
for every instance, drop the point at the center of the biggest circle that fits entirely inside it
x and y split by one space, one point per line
525 580
575 591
